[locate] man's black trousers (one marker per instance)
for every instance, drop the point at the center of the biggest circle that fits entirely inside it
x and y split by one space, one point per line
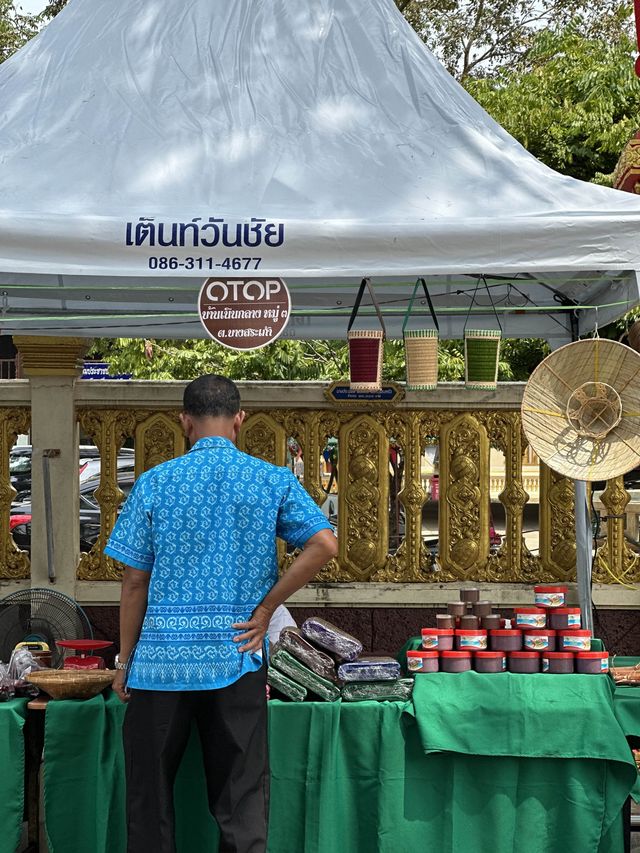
232 723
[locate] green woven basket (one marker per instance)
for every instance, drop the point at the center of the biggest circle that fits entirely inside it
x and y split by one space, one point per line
481 356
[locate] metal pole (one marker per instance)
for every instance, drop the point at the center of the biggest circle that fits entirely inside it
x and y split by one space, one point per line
584 554
48 511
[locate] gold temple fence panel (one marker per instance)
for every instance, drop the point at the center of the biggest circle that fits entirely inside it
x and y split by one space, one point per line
412 489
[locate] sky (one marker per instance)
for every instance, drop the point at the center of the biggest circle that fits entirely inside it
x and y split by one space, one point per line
31 6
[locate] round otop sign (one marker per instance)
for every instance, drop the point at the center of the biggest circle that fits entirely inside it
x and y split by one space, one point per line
244 313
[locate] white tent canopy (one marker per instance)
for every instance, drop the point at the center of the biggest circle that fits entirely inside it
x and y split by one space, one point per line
147 145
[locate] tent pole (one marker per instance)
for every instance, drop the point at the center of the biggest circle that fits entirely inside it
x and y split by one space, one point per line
584 554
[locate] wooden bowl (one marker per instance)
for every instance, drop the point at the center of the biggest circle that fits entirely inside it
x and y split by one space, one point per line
72 683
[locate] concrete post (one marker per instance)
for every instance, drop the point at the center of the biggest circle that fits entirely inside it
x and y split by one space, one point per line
52 366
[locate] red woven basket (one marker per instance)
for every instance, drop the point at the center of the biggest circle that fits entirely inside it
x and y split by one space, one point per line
365 359
365 348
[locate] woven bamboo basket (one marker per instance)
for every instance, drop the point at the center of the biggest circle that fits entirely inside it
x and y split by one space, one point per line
365 359
421 357
72 683
481 356
581 410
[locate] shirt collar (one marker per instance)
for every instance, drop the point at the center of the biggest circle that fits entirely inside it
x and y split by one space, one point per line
211 442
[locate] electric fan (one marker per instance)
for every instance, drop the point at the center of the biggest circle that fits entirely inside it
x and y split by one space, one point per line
41 615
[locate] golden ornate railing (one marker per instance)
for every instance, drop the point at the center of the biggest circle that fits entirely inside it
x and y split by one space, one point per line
14 564
382 510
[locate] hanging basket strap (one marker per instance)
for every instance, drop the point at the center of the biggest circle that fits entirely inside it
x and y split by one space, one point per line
473 299
366 282
429 302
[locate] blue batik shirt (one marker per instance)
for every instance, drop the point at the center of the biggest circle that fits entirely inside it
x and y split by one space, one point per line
205 526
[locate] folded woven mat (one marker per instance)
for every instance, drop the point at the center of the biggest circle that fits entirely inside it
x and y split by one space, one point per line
393 691
285 685
331 638
370 669
287 664
293 642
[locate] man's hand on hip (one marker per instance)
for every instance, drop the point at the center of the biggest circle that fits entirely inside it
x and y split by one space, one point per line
254 631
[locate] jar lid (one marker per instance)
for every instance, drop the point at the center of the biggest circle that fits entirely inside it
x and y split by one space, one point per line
524 655
489 654
550 588
455 655
438 631
422 654
592 655
540 632
559 655
570 610
505 632
471 632
539 610
574 632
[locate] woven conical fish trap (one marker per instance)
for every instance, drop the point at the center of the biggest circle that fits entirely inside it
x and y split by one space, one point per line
581 410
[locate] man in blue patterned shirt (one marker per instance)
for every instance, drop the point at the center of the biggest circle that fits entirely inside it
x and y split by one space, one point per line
198 540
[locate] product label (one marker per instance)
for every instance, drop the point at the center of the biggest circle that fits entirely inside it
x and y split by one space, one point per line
473 642
577 644
545 664
430 641
414 664
604 665
550 599
531 620
573 620
535 643
504 664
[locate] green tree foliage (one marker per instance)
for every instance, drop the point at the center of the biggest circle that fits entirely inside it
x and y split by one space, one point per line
16 28
575 106
477 37
292 360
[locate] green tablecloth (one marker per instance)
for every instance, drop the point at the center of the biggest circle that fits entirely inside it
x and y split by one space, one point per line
364 777
12 718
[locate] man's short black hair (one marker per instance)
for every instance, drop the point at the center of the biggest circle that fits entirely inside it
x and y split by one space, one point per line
211 396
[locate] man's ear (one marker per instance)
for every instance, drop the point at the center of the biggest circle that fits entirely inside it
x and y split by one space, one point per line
237 423
186 423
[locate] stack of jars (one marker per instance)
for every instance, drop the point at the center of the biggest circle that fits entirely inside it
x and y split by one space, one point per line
547 637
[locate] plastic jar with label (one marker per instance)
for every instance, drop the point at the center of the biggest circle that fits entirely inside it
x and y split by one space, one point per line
563 618
490 661
530 617
423 661
506 640
560 663
474 640
540 639
592 663
550 596
525 663
440 639
574 641
455 661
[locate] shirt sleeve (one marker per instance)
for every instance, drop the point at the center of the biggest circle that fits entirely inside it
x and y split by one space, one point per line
299 518
131 542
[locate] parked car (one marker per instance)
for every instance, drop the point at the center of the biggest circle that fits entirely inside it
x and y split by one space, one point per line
20 467
88 514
